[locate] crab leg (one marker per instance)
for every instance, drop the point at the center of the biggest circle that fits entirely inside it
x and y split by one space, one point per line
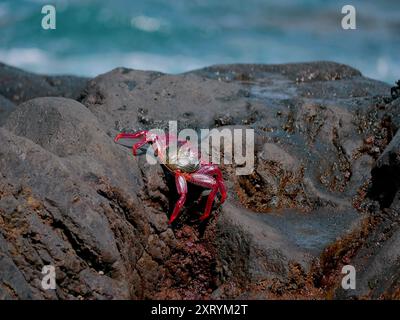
207 181
213 170
135 135
138 145
181 187
222 189
210 201
139 134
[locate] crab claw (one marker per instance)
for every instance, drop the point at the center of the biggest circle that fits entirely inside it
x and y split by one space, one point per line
135 135
140 134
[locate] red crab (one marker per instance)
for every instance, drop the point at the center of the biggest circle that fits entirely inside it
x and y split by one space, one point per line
186 166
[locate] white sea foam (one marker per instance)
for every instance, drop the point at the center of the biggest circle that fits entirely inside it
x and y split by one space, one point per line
176 36
39 61
146 23
23 57
169 64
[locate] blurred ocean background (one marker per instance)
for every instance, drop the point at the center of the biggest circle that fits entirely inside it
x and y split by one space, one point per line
173 36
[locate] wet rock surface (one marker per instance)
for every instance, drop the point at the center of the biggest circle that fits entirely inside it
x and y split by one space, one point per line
323 193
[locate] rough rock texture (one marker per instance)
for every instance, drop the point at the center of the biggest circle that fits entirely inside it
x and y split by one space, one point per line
18 86
72 198
6 106
378 262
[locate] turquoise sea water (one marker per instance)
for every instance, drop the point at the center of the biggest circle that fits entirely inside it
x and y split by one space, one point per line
93 37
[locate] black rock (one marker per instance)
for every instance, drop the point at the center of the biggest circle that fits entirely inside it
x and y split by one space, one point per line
72 198
18 86
6 106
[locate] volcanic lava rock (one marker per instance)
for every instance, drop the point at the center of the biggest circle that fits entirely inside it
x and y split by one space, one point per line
386 174
378 261
6 106
72 198
18 86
